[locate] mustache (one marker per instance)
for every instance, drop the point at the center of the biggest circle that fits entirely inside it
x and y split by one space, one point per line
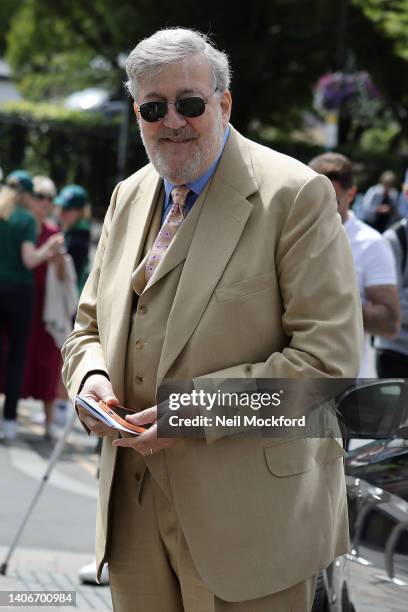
182 133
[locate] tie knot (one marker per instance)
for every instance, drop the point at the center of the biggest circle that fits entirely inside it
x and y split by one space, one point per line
179 195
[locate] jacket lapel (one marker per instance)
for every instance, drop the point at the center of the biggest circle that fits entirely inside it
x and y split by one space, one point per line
225 212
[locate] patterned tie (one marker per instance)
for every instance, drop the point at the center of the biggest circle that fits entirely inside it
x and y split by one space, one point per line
168 230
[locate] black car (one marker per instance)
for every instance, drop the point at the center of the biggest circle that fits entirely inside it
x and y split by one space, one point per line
374 575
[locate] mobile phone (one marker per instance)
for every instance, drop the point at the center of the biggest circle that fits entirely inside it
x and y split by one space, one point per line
118 413
119 410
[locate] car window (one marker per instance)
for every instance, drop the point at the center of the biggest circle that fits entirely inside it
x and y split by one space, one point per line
384 464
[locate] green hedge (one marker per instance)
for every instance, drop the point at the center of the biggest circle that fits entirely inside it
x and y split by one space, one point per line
81 147
69 146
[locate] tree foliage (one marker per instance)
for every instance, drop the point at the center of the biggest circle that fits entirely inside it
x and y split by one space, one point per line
7 10
69 146
278 48
272 46
391 19
380 43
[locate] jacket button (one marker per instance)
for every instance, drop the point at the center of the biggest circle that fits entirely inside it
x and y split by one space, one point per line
139 344
139 380
142 309
138 476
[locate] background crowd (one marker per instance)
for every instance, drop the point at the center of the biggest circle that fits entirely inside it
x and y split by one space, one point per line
44 259
44 262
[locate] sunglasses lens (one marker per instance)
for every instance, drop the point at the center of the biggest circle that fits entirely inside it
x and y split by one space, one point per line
153 111
190 107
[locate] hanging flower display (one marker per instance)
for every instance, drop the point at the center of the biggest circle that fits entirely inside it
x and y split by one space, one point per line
354 92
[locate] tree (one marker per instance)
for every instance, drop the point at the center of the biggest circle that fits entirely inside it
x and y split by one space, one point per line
278 48
386 25
51 46
391 19
7 10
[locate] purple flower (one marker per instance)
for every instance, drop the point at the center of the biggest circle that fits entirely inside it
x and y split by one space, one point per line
334 89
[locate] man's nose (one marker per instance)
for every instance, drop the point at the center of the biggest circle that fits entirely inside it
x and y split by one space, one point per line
173 119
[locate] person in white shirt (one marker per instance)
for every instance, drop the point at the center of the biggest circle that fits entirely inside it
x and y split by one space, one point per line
373 258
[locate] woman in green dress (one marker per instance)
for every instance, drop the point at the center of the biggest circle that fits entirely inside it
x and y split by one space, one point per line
18 256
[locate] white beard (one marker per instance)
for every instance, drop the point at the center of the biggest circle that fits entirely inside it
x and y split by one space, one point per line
203 156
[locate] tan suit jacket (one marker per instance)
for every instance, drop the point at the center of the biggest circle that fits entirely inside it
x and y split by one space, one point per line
265 289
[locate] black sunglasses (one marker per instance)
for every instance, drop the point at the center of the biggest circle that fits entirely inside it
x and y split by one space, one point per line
42 196
193 106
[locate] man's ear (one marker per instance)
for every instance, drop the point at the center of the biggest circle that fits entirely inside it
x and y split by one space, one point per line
136 110
226 105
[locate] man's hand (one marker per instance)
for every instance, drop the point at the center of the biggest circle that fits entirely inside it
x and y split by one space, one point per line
97 387
147 443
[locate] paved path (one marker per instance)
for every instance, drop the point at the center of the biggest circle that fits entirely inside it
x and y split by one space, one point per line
51 570
59 536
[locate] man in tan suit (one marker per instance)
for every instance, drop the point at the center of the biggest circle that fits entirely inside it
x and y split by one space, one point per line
219 259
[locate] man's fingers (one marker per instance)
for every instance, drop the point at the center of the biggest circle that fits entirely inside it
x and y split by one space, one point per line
142 444
144 417
111 401
99 387
94 425
83 414
132 442
91 423
104 394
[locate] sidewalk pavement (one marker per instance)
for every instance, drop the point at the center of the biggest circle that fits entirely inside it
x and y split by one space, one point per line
51 570
60 530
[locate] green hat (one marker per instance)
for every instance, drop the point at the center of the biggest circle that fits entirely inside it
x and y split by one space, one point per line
20 180
72 197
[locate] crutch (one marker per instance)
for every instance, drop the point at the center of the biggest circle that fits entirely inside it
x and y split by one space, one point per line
52 461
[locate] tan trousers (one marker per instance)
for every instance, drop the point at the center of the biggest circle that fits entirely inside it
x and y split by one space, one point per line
150 565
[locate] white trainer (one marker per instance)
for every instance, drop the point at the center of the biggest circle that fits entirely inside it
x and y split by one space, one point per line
87 574
61 411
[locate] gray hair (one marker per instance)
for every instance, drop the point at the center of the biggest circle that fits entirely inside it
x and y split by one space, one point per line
170 45
43 184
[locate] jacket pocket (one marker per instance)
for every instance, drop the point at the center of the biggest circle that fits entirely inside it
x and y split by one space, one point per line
301 455
244 288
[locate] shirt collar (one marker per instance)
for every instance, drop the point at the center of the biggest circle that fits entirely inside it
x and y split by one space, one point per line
198 185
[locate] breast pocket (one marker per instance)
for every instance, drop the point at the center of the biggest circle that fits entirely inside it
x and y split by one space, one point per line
246 288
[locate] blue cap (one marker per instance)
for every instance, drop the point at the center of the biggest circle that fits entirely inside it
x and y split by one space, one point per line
72 197
20 180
